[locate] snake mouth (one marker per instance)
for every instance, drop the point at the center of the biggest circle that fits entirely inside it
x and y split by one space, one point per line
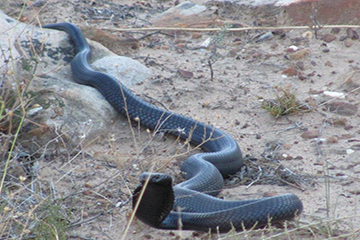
153 198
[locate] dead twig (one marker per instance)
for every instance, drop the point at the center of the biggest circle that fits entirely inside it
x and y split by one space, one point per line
229 29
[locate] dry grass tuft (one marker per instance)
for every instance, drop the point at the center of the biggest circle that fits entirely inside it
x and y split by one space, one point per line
284 104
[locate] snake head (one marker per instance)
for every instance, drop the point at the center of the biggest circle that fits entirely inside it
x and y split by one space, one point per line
156 197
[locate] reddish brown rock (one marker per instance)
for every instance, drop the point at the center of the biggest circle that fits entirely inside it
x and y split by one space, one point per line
302 53
310 134
329 38
291 71
332 139
196 35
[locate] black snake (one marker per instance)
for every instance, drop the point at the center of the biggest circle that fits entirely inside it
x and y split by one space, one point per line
188 205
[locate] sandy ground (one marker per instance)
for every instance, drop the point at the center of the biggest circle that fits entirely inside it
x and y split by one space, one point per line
245 72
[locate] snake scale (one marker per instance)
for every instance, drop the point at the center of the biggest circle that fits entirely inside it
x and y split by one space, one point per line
190 205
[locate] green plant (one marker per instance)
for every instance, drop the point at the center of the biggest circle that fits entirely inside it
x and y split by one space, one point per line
282 105
50 222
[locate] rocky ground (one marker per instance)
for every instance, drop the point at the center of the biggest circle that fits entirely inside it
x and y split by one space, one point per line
233 80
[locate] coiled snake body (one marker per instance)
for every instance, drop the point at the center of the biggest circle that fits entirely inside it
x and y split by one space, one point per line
188 205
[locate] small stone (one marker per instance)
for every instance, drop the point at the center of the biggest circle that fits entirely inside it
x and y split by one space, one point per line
343 38
348 42
334 94
302 77
349 33
274 45
348 127
315 92
148 236
196 35
307 34
338 122
302 53
335 30
185 74
352 34
269 194
301 65
349 151
328 64
326 50
346 136
310 134
292 49
356 35
232 53
287 156
266 36
291 71
332 139
328 38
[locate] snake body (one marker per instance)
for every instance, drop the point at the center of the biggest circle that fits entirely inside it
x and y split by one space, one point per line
191 204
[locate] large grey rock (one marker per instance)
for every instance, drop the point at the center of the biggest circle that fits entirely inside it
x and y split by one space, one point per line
61 114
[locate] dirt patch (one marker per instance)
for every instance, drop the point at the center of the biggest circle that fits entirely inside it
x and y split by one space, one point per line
225 85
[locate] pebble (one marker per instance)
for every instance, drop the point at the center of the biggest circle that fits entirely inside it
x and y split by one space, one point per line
335 30
349 151
328 38
310 134
185 73
196 35
292 48
348 127
328 64
290 71
332 139
352 34
343 38
348 42
338 122
299 54
356 35
334 94
266 36
301 65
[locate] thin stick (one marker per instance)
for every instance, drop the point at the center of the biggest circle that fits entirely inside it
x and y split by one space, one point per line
211 70
228 29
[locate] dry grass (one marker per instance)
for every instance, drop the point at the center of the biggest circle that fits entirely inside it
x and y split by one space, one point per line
283 104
